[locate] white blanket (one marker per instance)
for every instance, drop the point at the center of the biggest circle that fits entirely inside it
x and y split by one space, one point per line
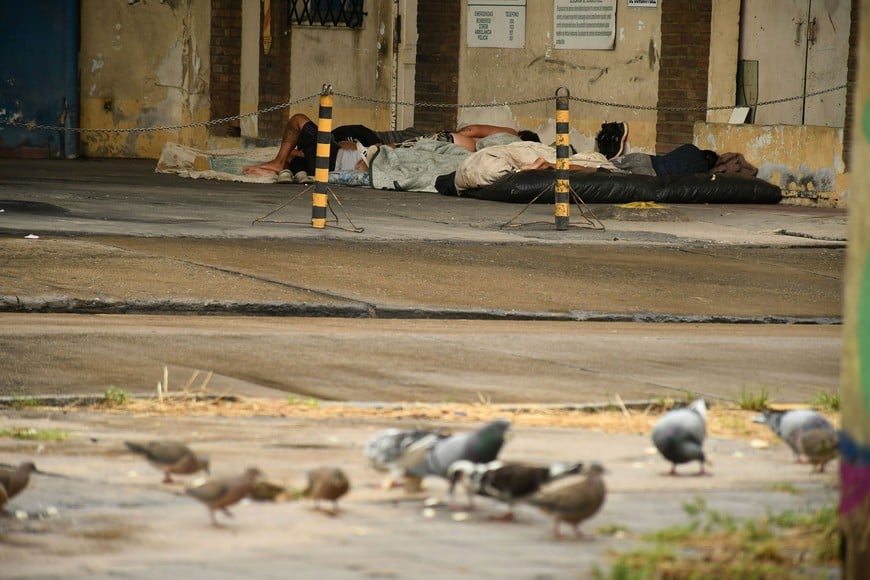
493 163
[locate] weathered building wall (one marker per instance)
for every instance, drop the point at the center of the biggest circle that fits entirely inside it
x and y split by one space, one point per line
805 161
354 61
626 75
143 65
724 53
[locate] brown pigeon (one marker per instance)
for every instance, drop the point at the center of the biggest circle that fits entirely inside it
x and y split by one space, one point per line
219 494
573 502
326 483
14 479
170 457
819 446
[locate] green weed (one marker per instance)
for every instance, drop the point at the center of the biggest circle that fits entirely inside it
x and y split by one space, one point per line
826 401
714 544
31 434
754 400
115 396
21 402
309 401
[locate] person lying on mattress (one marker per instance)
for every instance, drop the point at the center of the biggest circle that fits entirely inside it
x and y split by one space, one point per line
684 160
295 159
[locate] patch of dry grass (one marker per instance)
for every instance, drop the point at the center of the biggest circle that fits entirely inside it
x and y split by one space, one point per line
723 421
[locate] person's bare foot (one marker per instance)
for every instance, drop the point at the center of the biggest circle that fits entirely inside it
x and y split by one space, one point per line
262 169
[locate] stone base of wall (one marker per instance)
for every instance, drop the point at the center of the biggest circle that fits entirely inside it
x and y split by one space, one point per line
806 162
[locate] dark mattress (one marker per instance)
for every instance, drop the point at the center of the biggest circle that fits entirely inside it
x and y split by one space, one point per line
606 187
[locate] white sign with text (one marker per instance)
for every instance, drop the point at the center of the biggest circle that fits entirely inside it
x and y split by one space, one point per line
584 24
497 23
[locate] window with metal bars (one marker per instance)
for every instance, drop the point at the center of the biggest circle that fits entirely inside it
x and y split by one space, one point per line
338 13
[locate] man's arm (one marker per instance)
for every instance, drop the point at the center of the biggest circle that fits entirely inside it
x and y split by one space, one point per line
479 131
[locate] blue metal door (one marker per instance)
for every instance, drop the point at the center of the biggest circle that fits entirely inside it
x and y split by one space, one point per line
39 43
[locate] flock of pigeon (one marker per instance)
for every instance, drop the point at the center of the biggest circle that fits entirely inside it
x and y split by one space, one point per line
570 492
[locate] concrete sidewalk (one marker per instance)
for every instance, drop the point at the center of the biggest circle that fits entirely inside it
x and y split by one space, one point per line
103 513
126 197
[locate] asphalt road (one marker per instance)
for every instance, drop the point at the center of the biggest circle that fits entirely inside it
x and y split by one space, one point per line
433 300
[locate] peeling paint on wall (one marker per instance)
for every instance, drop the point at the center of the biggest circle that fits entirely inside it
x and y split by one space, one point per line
803 180
804 161
144 69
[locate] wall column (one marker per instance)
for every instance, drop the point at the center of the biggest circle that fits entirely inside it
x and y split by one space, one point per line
250 67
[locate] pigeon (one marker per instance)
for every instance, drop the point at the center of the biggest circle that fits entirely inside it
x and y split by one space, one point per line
679 435
819 446
13 480
790 424
170 457
506 482
219 494
396 451
267 491
480 446
326 483
573 502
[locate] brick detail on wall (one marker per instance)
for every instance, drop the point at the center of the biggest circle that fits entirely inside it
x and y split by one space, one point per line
225 58
683 68
437 74
274 74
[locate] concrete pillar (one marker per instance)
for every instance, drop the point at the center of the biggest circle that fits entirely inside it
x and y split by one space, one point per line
855 379
249 92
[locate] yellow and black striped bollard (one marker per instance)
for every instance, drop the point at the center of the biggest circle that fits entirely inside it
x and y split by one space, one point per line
563 186
320 199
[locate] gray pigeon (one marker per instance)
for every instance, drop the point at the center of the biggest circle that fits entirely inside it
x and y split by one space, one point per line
13 480
170 457
573 502
679 435
219 494
480 446
506 482
819 446
790 424
396 451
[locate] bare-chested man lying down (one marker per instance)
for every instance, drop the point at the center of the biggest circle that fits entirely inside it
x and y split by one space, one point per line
298 148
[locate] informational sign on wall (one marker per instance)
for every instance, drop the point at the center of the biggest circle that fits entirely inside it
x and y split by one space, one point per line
584 24
497 23
643 3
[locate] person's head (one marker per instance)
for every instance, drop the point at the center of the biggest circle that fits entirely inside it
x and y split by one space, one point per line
711 157
527 135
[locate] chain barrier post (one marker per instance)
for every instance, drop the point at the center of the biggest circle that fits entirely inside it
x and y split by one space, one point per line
320 198
563 187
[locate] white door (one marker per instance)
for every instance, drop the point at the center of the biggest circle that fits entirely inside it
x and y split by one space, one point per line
406 62
827 61
801 46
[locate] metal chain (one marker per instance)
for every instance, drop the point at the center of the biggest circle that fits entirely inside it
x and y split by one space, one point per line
443 105
33 126
716 108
